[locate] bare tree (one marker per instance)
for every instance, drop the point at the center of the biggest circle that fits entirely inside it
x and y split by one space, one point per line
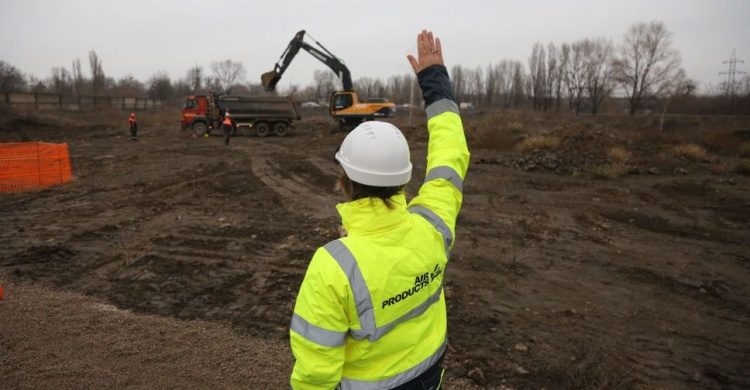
97 74
325 83
60 81
563 58
227 73
537 73
397 91
490 85
458 81
11 79
475 88
551 77
79 81
129 86
575 75
365 87
519 86
181 88
599 74
292 90
504 72
36 85
380 89
401 87
160 87
647 65
510 82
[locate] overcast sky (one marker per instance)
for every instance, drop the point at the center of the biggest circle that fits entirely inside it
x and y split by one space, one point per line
142 37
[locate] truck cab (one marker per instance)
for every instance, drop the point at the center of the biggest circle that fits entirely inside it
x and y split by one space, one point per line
195 112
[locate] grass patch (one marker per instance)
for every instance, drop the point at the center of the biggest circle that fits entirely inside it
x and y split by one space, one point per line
618 154
538 142
610 171
690 152
742 167
514 126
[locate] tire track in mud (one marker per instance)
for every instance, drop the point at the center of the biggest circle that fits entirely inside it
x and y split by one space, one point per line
299 196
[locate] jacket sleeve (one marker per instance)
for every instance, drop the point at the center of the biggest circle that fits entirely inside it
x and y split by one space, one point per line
447 153
320 325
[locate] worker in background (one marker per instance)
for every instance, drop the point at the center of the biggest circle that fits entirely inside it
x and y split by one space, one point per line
371 310
133 127
226 128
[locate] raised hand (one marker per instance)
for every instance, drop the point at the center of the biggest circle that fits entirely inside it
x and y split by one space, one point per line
429 52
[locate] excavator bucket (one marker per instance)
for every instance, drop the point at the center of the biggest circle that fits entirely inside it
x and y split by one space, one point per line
269 80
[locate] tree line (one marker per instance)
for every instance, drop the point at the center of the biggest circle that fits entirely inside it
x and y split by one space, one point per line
224 77
643 72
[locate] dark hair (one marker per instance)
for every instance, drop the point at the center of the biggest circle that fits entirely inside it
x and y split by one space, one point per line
355 191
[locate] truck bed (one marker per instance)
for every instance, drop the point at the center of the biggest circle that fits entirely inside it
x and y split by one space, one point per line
258 107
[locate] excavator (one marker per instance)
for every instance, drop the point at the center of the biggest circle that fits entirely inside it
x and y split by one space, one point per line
344 105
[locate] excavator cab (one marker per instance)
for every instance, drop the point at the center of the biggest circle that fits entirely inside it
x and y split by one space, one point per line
341 100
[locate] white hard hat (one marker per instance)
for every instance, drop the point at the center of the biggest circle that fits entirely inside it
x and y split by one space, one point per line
376 154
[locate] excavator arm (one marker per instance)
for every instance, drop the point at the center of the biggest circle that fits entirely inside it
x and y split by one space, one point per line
270 79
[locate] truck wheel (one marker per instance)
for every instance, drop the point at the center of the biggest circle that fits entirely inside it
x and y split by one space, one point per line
262 129
281 129
200 129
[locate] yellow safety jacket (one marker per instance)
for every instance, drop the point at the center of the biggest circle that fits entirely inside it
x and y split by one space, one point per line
371 312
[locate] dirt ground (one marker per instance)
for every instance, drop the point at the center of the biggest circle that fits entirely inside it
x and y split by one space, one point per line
174 262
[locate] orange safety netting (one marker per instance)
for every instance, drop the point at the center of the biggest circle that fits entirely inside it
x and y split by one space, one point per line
32 165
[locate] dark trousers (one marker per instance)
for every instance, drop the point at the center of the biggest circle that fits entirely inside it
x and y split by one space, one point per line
227 130
429 380
133 131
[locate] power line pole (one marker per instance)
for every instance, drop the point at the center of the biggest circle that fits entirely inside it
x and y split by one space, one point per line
732 73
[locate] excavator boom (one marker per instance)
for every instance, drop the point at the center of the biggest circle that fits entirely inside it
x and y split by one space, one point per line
270 79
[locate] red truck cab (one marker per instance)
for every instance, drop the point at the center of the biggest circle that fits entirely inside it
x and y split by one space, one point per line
195 106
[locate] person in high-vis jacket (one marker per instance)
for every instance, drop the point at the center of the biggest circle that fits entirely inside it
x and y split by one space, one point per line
371 311
133 127
226 128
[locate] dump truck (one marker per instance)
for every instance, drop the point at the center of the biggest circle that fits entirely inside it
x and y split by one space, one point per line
263 115
345 106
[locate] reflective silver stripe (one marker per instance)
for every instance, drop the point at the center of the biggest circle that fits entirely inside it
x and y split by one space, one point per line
437 223
316 334
447 173
397 380
375 334
362 298
441 106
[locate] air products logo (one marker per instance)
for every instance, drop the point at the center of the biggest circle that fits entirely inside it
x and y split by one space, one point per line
420 282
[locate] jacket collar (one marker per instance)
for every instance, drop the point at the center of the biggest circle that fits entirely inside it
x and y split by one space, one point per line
370 216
